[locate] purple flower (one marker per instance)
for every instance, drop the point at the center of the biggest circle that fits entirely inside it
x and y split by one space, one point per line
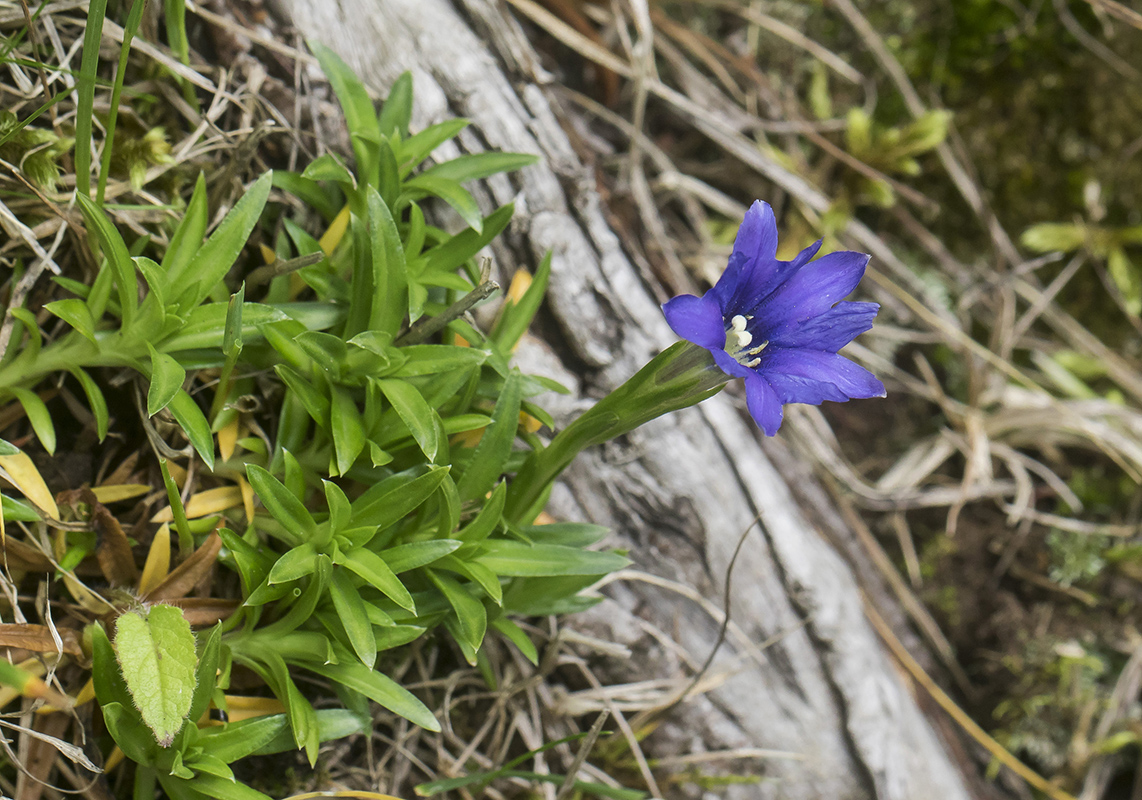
779 325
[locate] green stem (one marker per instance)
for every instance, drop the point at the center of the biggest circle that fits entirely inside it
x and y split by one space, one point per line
679 377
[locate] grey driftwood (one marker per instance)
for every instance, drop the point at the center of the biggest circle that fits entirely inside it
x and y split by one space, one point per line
680 491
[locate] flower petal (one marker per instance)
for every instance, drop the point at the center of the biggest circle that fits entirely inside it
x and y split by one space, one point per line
731 366
812 290
755 251
764 405
829 331
797 389
852 380
697 319
805 256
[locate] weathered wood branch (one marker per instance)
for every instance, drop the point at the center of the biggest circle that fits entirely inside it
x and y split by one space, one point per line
681 490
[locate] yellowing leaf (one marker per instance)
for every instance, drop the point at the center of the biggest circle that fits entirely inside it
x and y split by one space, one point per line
156 652
228 439
117 492
22 473
158 564
203 504
332 236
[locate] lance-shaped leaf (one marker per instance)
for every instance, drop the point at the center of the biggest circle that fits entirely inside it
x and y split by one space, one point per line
471 616
281 503
354 616
167 376
390 277
119 259
213 260
379 574
357 107
38 415
156 653
347 428
490 458
75 313
415 413
379 688
194 423
188 235
95 400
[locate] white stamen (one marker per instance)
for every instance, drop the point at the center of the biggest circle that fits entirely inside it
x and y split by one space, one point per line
738 339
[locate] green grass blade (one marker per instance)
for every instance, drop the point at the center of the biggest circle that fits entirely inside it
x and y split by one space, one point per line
132 25
85 91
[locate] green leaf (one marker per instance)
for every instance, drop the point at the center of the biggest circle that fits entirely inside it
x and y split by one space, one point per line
475 572
1048 236
456 250
340 510
390 278
193 422
380 689
332 723
451 193
253 565
470 612
347 429
119 259
8 449
391 499
568 534
232 332
430 359
326 199
396 112
419 146
105 675
237 740
205 675
154 307
516 317
302 718
489 517
205 327
187 238
415 413
351 611
489 460
316 404
85 95
1127 279
216 787
517 559
374 569
281 503
18 511
329 167
125 728
295 563
214 259
75 313
480 165
156 652
514 633
356 105
38 415
167 376
404 557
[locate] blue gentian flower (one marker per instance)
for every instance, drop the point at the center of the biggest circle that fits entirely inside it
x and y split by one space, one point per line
779 325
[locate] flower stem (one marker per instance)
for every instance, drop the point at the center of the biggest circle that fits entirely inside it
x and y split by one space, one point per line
679 377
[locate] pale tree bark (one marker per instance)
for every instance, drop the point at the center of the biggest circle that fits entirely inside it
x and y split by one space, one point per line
680 491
